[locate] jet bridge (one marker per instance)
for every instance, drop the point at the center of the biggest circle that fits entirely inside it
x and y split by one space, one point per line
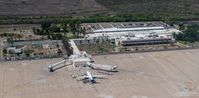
102 67
57 65
82 60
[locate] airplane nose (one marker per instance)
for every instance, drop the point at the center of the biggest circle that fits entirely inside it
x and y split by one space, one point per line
93 81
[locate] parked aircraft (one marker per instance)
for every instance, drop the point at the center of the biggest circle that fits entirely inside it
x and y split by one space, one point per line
89 78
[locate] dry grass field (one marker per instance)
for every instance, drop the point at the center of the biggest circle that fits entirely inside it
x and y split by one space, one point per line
169 74
164 8
50 7
168 8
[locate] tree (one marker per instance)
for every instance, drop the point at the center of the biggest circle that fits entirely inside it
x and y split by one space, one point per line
34 29
19 36
182 26
83 31
4 35
65 26
54 28
45 25
10 40
191 34
45 28
11 52
75 27
28 52
57 36
5 52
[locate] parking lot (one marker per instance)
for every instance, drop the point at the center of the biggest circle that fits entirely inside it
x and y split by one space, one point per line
169 74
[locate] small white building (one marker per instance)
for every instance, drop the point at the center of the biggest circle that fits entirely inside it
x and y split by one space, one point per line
14 49
80 62
79 59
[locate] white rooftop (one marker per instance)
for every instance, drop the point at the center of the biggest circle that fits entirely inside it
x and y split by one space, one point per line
117 34
144 37
128 29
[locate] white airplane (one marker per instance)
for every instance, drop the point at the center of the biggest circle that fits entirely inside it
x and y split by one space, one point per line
90 78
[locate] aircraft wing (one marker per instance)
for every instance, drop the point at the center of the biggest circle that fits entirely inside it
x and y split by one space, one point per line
82 78
99 76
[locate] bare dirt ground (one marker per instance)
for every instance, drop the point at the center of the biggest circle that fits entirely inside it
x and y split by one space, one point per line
50 7
18 27
169 74
23 29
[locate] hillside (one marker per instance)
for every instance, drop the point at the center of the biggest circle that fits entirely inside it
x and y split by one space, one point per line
50 7
168 8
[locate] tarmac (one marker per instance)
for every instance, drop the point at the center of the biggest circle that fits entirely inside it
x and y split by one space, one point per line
166 74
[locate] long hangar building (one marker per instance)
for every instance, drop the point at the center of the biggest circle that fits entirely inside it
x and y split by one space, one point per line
132 33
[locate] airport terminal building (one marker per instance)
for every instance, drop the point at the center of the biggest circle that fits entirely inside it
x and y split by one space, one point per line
132 33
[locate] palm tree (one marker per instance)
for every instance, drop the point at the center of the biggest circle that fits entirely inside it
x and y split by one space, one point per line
65 27
78 29
72 27
75 27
